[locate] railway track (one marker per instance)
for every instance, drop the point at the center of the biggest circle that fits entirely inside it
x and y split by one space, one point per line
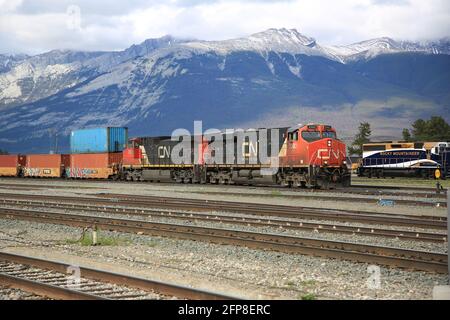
406 188
239 220
367 190
313 195
280 210
427 222
389 256
51 279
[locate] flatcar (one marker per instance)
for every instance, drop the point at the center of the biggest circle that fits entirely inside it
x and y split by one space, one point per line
399 158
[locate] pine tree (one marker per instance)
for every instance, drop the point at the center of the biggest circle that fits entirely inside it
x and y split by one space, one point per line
435 129
406 135
362 137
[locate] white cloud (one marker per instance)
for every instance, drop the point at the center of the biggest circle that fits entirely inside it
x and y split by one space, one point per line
36 26
7 6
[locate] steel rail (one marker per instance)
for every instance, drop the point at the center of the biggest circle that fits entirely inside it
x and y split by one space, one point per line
281 210
44 289
246 208
411 259
311 196
164 288
307 193
246 221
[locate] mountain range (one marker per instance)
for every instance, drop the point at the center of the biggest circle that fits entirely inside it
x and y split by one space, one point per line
273 78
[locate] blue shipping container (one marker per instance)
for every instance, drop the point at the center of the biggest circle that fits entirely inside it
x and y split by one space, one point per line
98 140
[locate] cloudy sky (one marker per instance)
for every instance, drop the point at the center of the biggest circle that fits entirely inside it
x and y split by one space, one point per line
34 26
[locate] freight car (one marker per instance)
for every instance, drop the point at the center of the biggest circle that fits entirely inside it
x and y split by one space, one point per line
94 166
309 155
399 158
45 165
11 165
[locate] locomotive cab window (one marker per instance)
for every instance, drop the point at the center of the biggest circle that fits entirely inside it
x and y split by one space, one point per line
310 136
380 147
329 134
293 136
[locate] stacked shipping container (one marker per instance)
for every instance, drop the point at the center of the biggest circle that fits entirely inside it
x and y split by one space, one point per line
96 153
46 165
10 165
94 165
98 140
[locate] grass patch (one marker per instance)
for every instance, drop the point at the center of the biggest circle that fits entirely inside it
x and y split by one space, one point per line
309 296
102 240
308 283
401 181
150 243
290 283
276 193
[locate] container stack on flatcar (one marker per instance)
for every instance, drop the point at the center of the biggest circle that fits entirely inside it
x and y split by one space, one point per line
45 165
96 153
11 165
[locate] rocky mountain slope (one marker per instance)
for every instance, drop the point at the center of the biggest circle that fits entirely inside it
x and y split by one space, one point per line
273 78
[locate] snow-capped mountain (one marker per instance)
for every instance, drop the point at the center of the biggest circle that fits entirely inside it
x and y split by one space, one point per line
276 77
275 40
29 79
372 48
8 61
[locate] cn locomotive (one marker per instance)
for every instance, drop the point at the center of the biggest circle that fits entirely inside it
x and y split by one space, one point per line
304 156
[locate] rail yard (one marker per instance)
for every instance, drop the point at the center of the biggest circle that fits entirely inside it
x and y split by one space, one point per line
139 240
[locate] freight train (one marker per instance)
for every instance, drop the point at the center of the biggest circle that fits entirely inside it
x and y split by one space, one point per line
399 158
303 156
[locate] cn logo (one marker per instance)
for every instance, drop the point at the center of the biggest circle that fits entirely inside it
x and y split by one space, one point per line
163 152
336 154
323 154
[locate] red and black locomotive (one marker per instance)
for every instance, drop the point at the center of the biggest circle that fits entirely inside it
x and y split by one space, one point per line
304 156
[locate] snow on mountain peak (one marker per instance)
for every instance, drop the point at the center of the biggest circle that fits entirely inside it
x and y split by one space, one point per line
283 36
277 40
373 47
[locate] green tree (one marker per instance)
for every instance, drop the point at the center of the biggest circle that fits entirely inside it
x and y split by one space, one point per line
435 129
406 135
3 151
362 137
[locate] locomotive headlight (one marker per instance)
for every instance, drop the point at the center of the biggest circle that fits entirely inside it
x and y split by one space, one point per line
344 162
329 143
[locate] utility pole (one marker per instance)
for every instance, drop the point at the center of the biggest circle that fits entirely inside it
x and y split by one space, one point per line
443 292
56 142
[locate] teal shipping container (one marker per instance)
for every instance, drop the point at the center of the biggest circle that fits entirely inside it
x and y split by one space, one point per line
98 140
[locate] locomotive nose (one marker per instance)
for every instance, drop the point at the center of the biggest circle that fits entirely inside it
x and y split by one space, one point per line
334 151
